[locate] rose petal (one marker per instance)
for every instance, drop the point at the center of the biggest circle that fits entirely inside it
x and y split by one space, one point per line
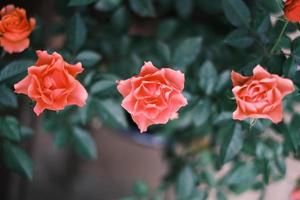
78 96
14 47
148 68
22 86
238 79
124 87
260 73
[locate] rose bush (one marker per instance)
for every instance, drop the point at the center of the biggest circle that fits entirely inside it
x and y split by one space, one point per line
201 43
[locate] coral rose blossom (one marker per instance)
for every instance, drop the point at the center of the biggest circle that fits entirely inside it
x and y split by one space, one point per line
154 96
52 83
295 195
15 29
292 10
260 95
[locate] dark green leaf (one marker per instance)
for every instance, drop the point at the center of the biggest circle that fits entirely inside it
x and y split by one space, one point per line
17 160
239 38
202 112
223 81
26 133
164 52
221 196
14 68
83 143
76 33
103 87
208 77
143 8
81 2
140 188
61 137
184 8
88 58
10 128
185 184
107 5
237 12
233 143
186 53
7 97
111 113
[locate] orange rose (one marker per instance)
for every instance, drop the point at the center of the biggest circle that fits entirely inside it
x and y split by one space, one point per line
295 195
15 29
154 96
292 10
260 95
51 83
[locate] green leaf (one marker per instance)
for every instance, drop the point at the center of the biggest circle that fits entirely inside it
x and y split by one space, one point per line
293 133
26 133
239 38
143 8
7 97
223 81
76 33
184 8
111 113
14 68
208 77
242 174
237 12
187 52
140 188
81 2
185 184
83 143
164 52
202 112
120 18
88 58
103 87
222 118
221 196
61 137
198 195
107 5
10 128
233 143
17 160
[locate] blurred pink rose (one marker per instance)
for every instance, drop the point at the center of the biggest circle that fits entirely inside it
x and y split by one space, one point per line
295 195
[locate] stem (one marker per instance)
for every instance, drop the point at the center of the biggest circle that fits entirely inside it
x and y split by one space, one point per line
279 37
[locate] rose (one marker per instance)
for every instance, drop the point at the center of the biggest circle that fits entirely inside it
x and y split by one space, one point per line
292 10
15 29
154 96
260 96
295 195
51 83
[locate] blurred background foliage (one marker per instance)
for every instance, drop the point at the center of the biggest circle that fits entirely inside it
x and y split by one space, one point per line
203 39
